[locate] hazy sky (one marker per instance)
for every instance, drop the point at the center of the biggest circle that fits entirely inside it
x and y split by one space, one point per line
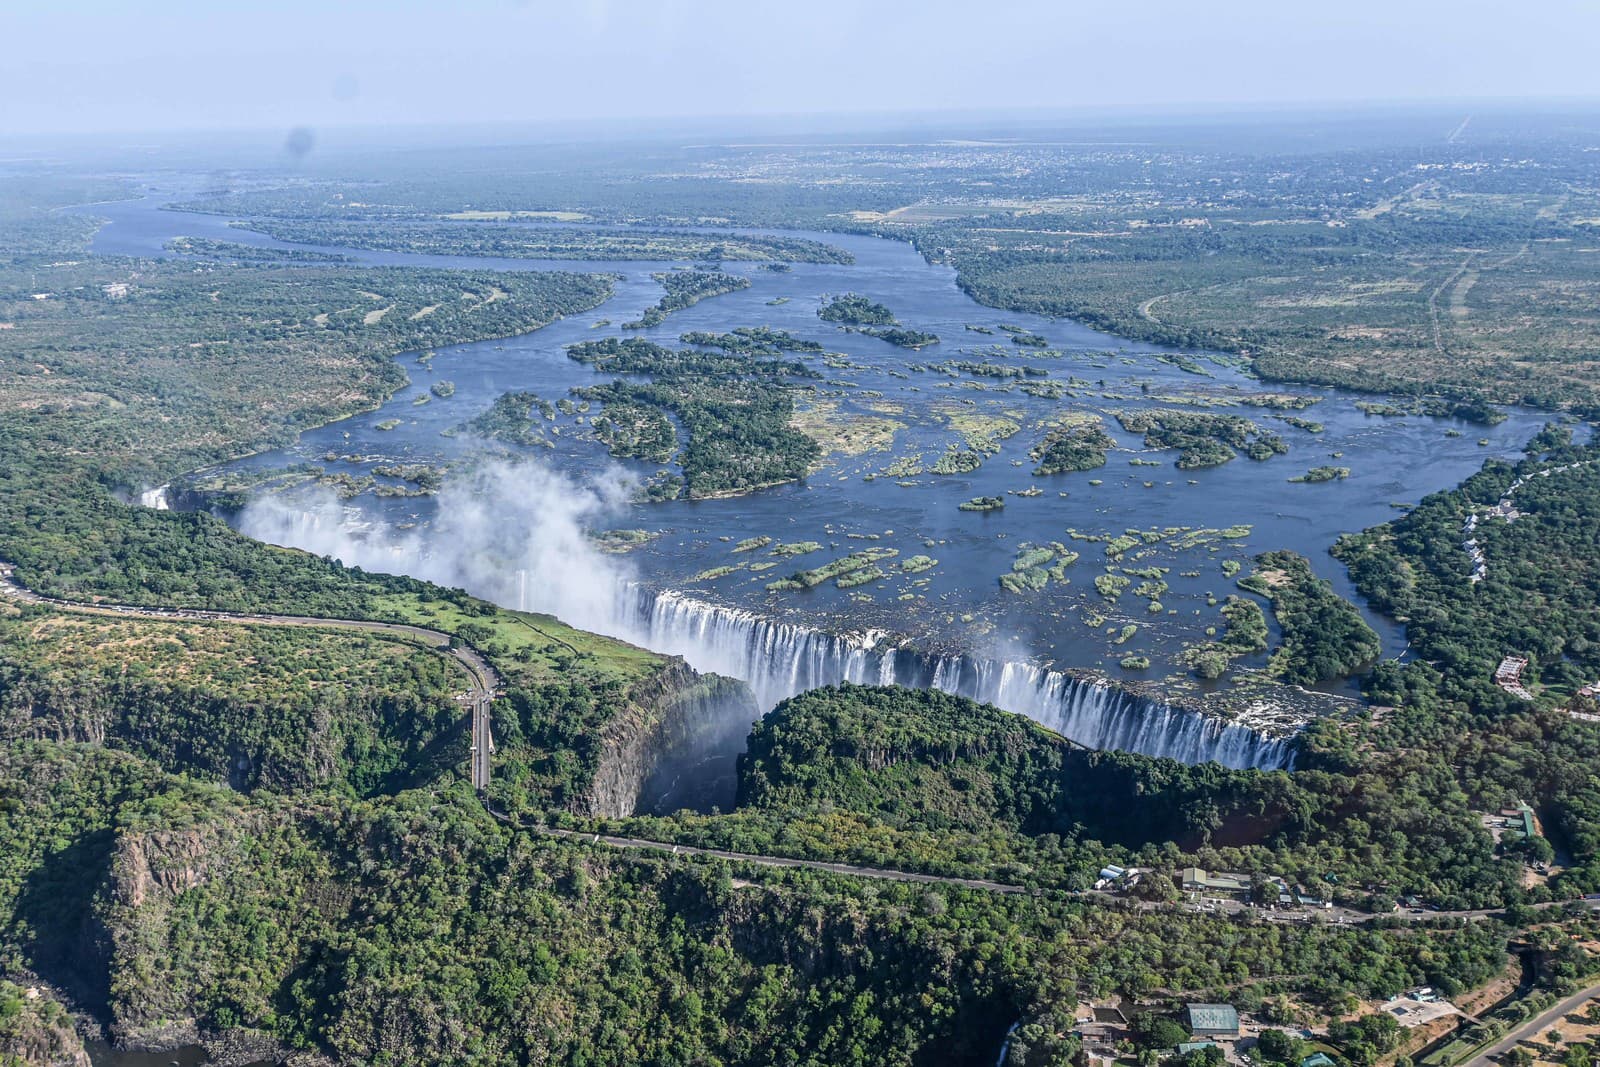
92 65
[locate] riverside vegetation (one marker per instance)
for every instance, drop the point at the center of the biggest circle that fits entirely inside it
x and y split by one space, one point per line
686 289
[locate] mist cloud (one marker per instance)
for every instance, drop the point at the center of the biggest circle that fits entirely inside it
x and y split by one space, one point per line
511 533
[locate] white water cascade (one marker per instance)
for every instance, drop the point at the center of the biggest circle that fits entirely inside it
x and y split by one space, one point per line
779 660
545 563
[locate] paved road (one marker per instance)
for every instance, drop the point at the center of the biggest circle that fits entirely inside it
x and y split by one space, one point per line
477 698
1532 1026
1236 910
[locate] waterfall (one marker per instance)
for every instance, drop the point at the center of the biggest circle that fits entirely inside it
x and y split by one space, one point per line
156 499
560 573
780 659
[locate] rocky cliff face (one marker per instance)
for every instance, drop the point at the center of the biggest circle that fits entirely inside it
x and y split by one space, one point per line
150 871
36 1030
154 986
677 714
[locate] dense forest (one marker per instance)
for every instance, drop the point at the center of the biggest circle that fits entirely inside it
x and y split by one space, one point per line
1539 598
257 707
390 923
931 782
1324 635
1203 439
853 309
928 760
1078 447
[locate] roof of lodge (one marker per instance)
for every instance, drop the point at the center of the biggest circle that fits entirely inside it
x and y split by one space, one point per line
1213 1017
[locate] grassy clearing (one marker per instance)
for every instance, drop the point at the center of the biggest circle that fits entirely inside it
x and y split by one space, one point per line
544 646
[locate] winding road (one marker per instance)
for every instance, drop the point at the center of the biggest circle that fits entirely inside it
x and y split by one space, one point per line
484 681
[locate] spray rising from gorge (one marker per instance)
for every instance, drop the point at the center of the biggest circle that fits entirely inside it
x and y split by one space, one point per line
517 535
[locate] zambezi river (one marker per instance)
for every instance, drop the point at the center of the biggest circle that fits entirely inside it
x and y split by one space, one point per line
514 524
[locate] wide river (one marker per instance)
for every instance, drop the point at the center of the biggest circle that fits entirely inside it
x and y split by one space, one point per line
516 535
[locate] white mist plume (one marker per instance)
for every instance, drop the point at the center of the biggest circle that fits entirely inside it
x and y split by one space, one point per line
510 533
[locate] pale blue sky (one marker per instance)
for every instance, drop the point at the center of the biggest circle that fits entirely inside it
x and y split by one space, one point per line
92 65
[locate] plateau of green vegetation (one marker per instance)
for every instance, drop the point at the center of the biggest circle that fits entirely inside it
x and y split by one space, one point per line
425 476
1308 425
233 251
636 430
1246 634
1077 447
620 541
1036 566
957 461
752 341
1472 410
790 549
1322 474
1204 439
526 242
515 418
863 561
902 337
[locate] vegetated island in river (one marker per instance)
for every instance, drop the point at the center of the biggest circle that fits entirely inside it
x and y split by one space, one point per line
533 242
853 309
686 289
